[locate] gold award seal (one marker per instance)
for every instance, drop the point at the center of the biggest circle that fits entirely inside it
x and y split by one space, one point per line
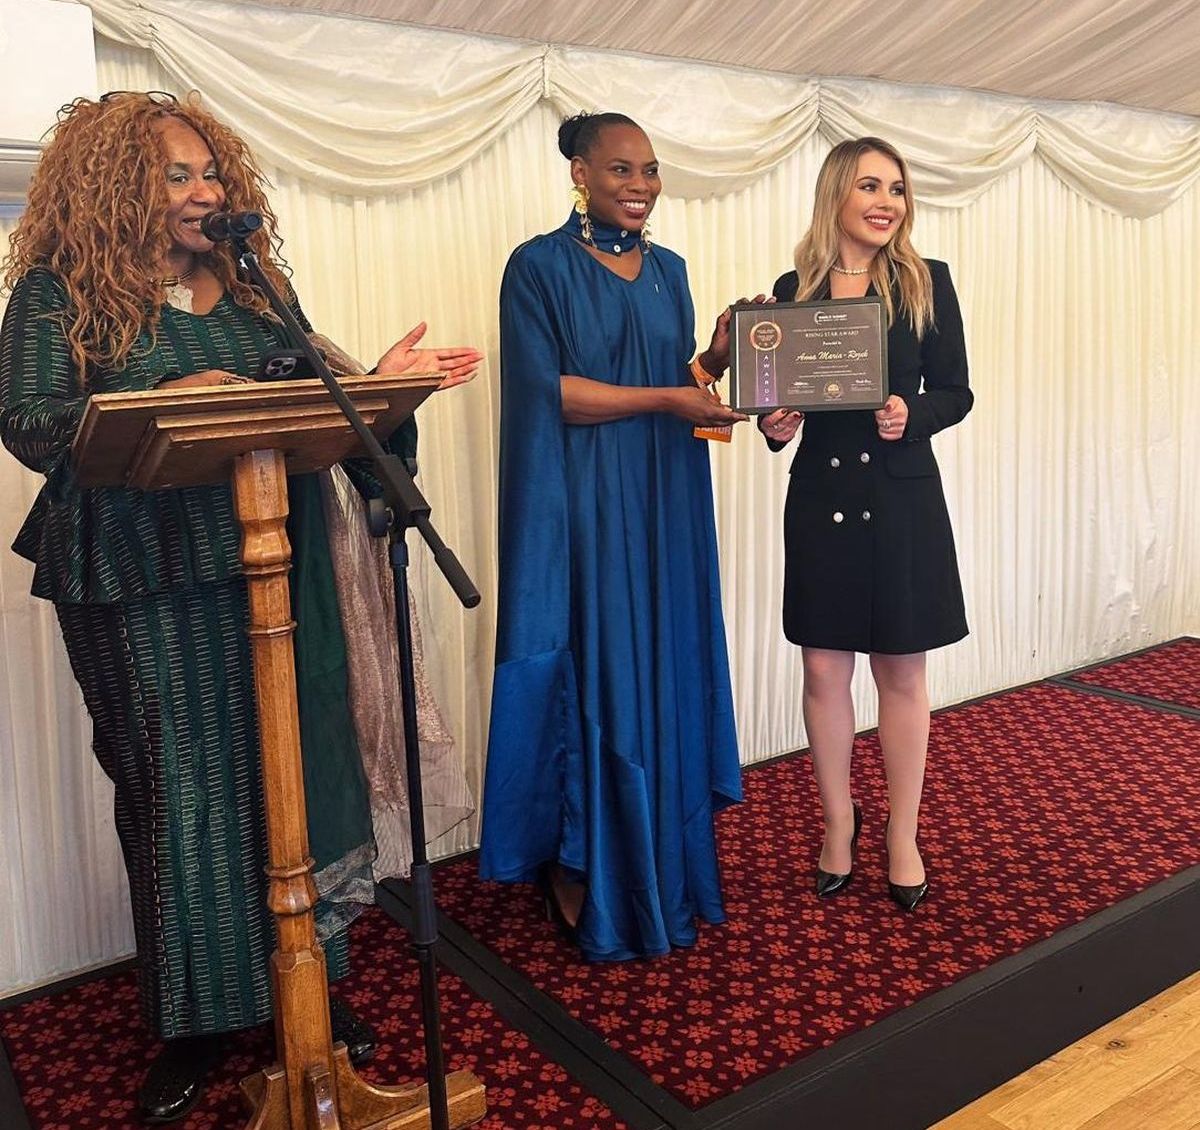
766 336
833 390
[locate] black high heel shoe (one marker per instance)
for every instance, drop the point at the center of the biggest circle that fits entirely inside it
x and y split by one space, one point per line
554 910
907 898
827 883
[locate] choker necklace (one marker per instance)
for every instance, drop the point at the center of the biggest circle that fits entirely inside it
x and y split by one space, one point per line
606 237
178 293
850 271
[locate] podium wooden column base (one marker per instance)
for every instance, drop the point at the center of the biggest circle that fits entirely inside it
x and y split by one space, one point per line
343 1100
314 1088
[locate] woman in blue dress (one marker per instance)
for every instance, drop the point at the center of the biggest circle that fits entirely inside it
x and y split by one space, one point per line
612 736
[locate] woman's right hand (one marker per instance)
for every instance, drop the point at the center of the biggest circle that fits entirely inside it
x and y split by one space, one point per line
715 360
781 425
459 362
699 406
206 377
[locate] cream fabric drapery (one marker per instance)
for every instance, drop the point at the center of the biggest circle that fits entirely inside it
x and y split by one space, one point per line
331 97
1072 484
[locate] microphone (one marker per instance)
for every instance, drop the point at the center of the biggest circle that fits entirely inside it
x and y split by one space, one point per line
218 226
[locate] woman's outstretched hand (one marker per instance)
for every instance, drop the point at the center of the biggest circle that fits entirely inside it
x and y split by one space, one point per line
699 406
459 362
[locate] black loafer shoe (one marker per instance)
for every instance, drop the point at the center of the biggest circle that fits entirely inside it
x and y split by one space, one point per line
358 1036
175 1081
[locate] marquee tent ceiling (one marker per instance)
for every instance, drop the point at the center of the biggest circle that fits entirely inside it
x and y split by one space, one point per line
1143 53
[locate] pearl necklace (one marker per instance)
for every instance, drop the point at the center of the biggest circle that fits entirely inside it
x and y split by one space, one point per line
850 270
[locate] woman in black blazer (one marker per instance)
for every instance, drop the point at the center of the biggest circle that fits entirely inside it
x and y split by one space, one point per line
869 553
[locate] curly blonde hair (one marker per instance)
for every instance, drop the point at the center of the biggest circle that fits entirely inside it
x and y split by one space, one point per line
96 217
897 263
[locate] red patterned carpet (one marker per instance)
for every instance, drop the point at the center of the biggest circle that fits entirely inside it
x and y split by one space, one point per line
1170 673
77 1056
1044 806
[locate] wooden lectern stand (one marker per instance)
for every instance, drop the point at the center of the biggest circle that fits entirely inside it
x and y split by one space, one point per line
257 434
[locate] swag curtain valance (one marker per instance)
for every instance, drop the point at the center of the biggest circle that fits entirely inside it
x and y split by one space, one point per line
331 98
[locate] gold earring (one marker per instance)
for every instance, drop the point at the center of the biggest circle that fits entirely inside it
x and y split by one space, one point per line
581 197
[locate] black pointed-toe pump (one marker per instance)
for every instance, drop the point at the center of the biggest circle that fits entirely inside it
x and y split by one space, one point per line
827 884
908 898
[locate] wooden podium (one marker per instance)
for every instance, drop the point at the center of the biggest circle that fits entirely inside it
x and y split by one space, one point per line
257 434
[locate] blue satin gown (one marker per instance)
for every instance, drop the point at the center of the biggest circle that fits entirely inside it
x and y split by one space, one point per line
612 736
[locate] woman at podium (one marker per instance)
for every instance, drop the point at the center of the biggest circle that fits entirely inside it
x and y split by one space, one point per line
612 735
116 288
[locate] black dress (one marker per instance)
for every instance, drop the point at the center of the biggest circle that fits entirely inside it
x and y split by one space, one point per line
869 553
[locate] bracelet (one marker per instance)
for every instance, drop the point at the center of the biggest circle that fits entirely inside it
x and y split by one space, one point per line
233 379
700 373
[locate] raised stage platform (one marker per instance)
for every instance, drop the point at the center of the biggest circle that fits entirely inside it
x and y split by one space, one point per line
1060 836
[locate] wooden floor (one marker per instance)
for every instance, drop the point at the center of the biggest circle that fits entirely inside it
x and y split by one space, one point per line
1141 1072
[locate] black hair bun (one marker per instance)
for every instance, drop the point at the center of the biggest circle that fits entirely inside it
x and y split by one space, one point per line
568 134
578 134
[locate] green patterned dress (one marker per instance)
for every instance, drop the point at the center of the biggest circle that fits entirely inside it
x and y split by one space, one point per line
152 604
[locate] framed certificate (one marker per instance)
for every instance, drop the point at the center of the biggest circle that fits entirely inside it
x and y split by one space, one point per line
809 356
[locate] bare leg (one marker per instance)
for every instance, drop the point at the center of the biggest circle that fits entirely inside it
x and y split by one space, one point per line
904 736
829 719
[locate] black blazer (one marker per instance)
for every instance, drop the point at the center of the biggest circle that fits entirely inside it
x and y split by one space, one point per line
869 558
929 375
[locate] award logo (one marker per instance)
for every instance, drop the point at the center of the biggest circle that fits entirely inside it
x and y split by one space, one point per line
833 390
825 317
766 336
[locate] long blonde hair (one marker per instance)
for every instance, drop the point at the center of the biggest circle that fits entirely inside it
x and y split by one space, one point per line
96 217
896 264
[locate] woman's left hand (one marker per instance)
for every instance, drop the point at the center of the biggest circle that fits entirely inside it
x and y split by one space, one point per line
715 360
892 418
459 362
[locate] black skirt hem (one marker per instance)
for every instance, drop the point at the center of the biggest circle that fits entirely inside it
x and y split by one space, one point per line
857 647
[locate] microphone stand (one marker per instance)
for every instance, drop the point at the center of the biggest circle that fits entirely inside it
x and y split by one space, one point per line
402 506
